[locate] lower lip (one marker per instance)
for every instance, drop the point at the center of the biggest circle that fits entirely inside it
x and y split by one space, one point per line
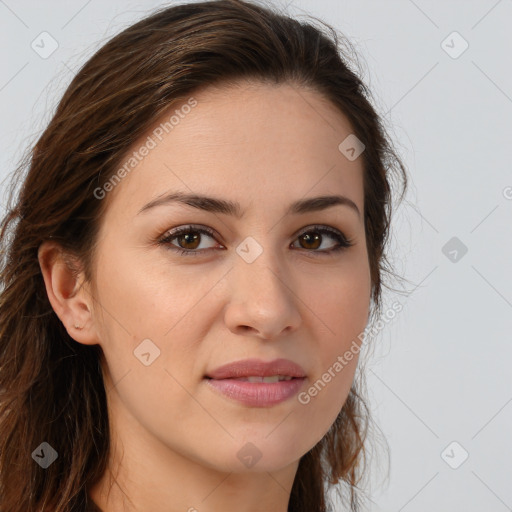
257 394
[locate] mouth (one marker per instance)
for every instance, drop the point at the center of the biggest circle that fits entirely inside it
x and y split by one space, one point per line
256 383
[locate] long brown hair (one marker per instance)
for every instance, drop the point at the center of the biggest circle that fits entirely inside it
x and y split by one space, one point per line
51 387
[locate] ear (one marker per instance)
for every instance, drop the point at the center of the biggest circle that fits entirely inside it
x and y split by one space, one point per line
67 292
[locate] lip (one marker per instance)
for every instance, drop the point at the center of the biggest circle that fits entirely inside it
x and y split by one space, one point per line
257 394
257 368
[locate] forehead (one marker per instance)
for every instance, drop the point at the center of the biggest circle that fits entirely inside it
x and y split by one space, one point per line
248 140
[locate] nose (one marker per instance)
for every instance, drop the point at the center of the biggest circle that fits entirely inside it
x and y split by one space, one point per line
263 302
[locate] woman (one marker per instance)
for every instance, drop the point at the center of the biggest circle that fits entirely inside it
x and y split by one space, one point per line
145 370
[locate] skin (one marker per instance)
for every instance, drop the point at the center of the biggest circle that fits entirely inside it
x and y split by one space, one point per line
174 440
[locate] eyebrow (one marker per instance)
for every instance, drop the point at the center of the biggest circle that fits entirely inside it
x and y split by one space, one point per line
216 205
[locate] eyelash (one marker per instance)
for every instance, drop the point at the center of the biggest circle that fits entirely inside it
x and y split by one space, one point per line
344 242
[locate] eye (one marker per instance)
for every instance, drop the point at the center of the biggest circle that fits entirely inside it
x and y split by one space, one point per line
189 239
314 236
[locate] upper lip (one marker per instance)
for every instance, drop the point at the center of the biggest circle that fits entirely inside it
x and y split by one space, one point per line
257 368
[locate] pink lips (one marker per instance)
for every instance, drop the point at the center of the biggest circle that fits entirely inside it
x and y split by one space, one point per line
257 394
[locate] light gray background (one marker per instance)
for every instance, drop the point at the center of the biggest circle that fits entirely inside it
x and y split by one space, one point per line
440 371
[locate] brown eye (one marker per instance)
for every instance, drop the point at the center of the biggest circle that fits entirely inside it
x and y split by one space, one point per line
188 239
312 239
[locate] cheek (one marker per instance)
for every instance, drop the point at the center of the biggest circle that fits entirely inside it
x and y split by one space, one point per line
144 298
329 386
340 314
140 301
339 303
137 302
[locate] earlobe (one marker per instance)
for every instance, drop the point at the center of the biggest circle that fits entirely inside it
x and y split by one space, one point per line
67 295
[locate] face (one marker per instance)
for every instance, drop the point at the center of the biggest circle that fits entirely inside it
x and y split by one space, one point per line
270 283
